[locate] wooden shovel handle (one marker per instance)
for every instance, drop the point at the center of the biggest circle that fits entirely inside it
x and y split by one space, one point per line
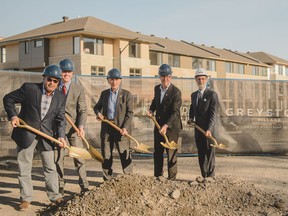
26 126
158 126
76 129
209 137
119 129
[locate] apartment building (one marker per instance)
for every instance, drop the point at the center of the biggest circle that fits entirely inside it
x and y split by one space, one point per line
96 46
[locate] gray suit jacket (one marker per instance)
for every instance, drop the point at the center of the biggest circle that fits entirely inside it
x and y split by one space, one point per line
206 112
76 106
124 110
29 95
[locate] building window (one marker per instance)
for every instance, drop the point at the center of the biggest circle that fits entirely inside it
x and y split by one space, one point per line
98 71
38 43
76 45
134 50
196 63
174 60
156 58
135 72
239 68
280 70
228 67
210 65
263 71
93 46
286 70
3 55
26 47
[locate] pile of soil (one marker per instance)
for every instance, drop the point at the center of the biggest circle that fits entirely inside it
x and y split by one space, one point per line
143 195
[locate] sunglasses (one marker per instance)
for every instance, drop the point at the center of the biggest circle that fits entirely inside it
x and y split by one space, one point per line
49 79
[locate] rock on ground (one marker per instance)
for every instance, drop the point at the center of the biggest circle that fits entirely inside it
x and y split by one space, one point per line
145 195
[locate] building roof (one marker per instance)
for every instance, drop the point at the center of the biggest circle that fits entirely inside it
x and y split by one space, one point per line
268 58
87 25
93 26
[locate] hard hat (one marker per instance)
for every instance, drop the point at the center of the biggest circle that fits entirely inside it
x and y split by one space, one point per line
52 71
66 65
165 70
201 72
114 74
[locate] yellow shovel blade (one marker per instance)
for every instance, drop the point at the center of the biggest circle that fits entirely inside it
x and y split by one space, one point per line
142 148
79 153
172 145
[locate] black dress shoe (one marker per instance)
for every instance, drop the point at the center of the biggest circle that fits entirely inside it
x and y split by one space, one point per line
84 190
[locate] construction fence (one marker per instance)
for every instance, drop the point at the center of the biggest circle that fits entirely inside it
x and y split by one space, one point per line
253 114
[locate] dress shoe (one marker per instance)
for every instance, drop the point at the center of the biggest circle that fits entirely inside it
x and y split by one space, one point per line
58 201
24 205
84 190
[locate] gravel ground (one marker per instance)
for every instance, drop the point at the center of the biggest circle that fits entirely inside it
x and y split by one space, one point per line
254 185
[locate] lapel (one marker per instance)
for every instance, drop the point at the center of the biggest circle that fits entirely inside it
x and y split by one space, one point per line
70 93
119 99
167 94
39 98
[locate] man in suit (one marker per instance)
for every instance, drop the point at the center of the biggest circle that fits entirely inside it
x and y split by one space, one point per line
43 108
116 104
203 111
166 103
76 109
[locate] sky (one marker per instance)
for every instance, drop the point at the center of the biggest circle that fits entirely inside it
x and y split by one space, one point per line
239 25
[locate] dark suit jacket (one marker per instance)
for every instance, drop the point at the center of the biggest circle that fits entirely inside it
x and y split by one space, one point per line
29 96
76 105
206 112
124 110
168 112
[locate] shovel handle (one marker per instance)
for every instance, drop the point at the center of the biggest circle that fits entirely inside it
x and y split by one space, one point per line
76 129
26 126
119 129
215 144
158 126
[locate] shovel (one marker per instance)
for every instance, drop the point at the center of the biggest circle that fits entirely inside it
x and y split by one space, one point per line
167 144
73 151
139 148
93 152
214 142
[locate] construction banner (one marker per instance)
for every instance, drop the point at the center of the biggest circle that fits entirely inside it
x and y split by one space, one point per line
252 114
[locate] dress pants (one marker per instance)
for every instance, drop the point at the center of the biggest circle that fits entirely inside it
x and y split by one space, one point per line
206 155
108 143
25 159
159 157
79 163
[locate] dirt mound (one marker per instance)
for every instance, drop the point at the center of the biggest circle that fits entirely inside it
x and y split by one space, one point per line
142 195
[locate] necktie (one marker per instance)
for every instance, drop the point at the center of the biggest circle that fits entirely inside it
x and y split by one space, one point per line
199 97
64 90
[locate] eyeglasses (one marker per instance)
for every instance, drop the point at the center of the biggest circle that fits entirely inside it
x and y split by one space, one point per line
201 78
49 79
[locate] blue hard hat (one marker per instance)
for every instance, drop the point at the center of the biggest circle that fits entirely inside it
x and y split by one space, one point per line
66 65
114 74
52 71
165 70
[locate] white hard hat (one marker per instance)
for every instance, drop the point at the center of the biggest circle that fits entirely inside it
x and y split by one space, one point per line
201 72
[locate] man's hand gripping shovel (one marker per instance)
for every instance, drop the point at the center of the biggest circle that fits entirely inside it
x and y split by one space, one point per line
142 148
73 151
93 152
167 144
214 142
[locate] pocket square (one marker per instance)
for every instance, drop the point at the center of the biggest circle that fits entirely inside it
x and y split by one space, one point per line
205 99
